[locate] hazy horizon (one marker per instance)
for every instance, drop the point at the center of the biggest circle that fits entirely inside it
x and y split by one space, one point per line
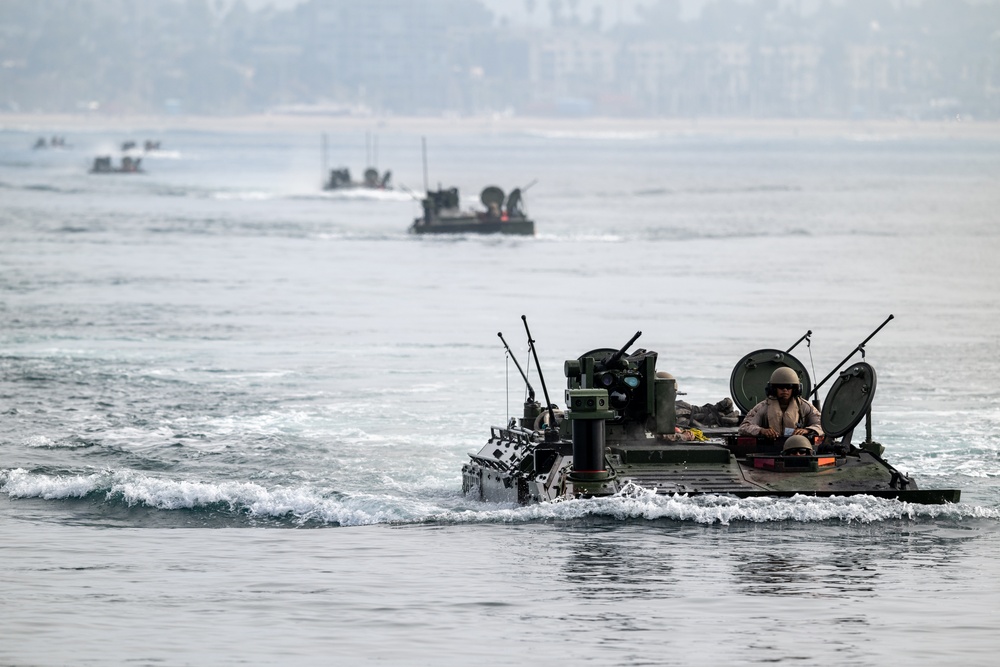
563 58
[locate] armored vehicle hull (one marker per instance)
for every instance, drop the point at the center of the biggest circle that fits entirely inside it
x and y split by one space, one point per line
620 433
503 214
517 466
473 224
340 179
129 165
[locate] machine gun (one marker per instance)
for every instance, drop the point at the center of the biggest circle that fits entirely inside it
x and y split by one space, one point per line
612 361
628 379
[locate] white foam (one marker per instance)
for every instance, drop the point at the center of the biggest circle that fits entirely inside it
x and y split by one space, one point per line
40 441
301 504
582 238
304 503
163 155
367 194
248 195
637 503
19 483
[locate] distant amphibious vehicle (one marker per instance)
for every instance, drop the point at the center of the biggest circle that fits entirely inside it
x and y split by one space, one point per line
340 178
503 214
443 213
129 165
623 430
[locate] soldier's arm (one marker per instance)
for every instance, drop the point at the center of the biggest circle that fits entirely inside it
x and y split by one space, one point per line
749 425
811 418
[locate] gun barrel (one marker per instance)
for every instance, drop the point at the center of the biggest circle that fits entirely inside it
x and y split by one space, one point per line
613 359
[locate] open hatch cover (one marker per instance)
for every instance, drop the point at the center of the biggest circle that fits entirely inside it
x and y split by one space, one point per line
491 194
848 400
750 377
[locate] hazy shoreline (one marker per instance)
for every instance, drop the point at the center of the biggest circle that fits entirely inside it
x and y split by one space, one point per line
739 127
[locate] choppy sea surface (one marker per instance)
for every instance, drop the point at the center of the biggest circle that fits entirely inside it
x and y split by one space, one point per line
235 407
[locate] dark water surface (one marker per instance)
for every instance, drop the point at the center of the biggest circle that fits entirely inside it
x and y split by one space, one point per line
604 591
235 408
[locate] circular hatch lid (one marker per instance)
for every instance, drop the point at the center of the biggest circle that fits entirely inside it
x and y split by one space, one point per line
491 194
750 377
848 400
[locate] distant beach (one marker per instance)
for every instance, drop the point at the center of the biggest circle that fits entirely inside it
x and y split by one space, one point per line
498 124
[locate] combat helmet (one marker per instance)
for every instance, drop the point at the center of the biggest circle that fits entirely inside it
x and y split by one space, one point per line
797 442
784 376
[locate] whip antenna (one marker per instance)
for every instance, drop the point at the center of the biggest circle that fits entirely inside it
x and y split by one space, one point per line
423 150
550 433
859 348
531 391
807 338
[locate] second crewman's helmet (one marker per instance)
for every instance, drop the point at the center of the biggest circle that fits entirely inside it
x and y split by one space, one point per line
784 377
797 444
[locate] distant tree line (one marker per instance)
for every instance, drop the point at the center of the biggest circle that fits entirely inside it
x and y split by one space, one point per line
765 58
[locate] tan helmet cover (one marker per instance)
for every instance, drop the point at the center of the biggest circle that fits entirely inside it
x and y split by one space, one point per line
785 375
797 442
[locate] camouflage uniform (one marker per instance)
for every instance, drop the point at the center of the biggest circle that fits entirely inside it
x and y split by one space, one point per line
770 410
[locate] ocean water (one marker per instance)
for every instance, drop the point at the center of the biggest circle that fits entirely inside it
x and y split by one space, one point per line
235 408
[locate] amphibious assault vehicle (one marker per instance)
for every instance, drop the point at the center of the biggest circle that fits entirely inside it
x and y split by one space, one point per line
443 213
129 165
503 214
621 429
340 179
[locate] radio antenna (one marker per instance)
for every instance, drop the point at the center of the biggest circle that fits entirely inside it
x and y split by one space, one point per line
531 391
860 348
423 147
550 432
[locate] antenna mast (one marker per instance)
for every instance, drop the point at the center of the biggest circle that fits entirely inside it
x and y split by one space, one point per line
550 432
531 391
423 144
325 163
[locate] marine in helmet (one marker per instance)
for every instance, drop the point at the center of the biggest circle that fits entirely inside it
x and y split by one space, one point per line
797 445
784 412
